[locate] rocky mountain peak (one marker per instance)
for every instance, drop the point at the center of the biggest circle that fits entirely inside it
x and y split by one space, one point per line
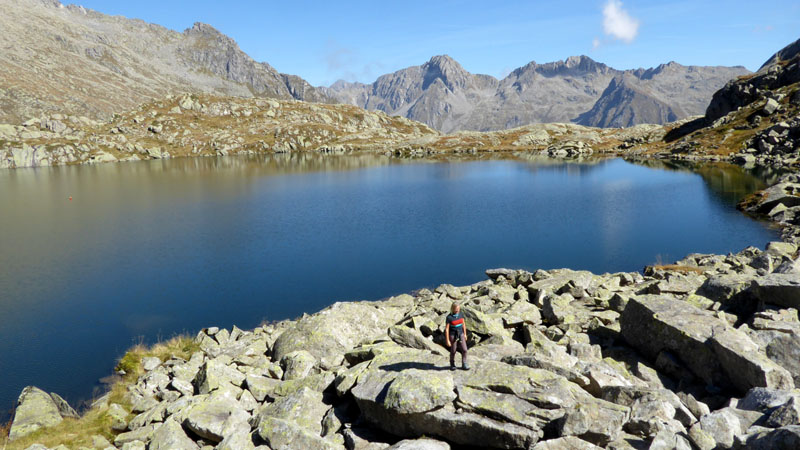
573 65
205 30
446 69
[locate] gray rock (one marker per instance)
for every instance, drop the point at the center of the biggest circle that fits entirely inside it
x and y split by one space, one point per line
655 324
170 436
63 407
134 445
304 408
409 337
565 443
214 375
286 435
770 107
118 416
363 438
465 427
786 438
701 439
764 399
215 418
142 434
297 364
786 414
745 366
261 387
416 391
784 349
331 332
483 323
782 289
597 422
420 444
722 426
150 363
35 409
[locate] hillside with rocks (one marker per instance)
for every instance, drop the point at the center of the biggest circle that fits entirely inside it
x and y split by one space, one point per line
443 95
57 59
192 125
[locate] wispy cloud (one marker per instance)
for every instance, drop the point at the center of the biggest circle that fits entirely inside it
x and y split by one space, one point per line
337 56
345 63
617 23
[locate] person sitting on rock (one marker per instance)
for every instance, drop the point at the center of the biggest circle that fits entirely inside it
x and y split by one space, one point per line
455 333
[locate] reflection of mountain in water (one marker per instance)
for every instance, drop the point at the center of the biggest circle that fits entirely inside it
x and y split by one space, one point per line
581 165
728 183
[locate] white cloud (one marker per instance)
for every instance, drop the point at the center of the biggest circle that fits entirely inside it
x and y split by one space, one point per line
617 23
595 43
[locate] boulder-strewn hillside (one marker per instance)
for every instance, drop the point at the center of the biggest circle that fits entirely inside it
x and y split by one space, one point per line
443 95
68 59
204 124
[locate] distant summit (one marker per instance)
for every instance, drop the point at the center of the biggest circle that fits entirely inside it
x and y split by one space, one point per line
443 95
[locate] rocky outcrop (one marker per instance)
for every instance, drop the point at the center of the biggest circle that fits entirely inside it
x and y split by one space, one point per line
37 409
782 69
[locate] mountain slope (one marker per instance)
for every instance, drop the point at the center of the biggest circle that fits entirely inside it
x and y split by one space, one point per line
623 103
79 61
443 95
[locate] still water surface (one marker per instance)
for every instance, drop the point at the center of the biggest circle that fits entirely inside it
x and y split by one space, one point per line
146 250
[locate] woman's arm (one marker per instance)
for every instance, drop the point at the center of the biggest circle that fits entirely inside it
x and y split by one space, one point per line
447 334
465 330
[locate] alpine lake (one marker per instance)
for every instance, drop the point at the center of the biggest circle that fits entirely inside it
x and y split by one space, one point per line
95 259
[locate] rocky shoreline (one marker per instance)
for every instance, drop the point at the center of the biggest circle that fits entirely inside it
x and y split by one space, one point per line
701 354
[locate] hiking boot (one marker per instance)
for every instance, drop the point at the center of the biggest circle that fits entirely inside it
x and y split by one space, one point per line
452 367
465 366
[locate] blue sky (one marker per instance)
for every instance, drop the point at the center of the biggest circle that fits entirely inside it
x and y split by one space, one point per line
360 40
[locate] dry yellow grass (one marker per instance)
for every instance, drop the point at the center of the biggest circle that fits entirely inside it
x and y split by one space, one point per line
677 268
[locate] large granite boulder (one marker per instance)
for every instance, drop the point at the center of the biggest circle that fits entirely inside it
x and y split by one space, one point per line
171 436
782 289
328 334
35 409
411 393
714 352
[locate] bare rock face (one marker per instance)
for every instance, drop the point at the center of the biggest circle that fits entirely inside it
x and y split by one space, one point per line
82 62
443 95
782 69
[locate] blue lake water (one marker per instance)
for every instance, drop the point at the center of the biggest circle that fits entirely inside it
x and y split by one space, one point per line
146 250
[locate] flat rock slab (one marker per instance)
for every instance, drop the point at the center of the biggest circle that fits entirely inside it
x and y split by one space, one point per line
782 289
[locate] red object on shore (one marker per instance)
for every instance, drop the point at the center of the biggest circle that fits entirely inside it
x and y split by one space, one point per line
70 198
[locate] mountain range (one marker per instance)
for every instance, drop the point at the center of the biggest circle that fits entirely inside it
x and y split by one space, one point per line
443 95
69 59
72 60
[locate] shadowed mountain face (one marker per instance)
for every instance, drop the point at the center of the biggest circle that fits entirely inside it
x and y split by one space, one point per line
444 95
68 59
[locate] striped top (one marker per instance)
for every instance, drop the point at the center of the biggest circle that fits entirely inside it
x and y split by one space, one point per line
455 320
